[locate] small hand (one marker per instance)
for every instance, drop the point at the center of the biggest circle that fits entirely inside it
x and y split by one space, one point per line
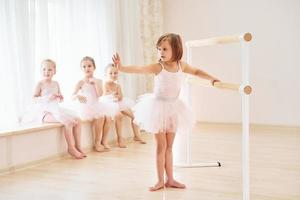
60 97
81 99
117 61
117 98
213 81
53 97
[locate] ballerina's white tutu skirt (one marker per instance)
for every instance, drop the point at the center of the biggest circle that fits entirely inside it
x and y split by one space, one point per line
36 113
124 104
158 115
94 110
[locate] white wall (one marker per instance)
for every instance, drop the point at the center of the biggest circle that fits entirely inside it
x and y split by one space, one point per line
274 55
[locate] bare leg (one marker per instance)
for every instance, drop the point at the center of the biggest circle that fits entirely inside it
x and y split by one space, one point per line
106 127
99 128
118 121
135 128
67 132
77 136
97 132
161 145
171 182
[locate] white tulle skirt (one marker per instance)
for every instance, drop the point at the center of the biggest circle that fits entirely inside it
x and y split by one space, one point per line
91 111
35 114
122 105
156 115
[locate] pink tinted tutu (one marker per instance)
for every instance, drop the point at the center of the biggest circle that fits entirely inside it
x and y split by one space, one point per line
157 115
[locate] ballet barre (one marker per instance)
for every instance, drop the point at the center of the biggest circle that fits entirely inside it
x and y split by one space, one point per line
247 37
247 89
244 89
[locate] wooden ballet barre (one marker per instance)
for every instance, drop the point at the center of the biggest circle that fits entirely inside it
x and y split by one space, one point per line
247 89
247 37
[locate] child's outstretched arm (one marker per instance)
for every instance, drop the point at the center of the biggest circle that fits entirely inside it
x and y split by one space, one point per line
148 69
198 72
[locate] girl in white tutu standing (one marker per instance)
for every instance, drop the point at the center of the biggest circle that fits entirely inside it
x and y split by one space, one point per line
162 112
87 92
112 93
47 95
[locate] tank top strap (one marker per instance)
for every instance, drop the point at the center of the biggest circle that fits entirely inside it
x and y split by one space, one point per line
179 66
163 67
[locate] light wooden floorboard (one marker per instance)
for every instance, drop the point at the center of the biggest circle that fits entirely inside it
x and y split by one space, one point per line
127 173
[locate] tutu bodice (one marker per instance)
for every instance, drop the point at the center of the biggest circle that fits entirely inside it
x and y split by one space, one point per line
89 91
50 89
46 92
167 84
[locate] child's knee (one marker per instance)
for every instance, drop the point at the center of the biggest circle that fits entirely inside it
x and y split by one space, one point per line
119 116
108 119
161 148
169 148
102 118
76 122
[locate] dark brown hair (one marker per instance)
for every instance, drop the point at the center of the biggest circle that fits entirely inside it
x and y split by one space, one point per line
175 43
89 59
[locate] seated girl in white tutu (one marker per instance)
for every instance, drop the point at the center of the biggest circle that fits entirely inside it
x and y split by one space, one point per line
47 95
112 93
162 112
87 92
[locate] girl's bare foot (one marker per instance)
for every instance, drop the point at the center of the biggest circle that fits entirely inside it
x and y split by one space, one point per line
99 147
76 154
79 149
157 186
139 139
121 143
175 184
106 147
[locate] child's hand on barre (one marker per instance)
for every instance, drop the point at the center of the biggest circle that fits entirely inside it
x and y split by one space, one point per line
213 81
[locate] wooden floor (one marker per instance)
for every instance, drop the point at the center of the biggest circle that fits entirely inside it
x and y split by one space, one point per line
127 173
